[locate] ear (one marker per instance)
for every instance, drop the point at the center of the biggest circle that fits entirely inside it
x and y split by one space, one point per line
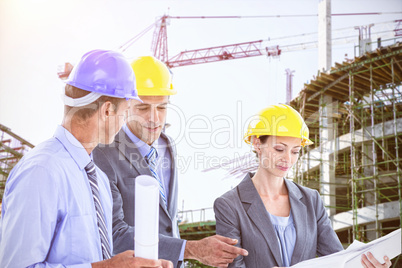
257 145
106 110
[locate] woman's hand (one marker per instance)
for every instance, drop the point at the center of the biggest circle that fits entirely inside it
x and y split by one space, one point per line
370 261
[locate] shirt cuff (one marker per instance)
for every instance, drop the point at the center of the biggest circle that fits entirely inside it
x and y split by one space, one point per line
183 247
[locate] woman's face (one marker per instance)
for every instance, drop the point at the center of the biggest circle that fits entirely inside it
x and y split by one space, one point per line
278 154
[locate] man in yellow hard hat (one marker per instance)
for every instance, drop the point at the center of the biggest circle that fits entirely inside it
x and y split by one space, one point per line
142 148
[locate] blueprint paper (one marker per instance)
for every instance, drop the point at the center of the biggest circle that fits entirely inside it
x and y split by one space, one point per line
389 245
146 217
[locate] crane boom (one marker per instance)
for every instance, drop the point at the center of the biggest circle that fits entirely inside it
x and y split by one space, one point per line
219 53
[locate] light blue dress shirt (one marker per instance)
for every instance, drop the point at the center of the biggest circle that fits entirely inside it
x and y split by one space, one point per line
48 215
163 164
286 234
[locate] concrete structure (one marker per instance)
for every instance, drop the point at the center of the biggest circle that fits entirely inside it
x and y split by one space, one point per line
354 112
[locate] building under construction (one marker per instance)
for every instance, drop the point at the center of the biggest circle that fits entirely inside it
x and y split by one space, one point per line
354 113
12 149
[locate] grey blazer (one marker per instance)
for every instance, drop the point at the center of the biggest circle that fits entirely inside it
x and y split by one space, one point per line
122 162
241 214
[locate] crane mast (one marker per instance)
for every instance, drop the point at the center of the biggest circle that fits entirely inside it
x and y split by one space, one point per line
159 42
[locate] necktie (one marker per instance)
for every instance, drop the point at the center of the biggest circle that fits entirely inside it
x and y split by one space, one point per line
151 160
91 172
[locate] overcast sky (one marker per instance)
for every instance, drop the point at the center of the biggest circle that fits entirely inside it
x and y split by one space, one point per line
209 114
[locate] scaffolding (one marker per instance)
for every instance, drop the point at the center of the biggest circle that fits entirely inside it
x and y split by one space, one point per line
12 149
354 113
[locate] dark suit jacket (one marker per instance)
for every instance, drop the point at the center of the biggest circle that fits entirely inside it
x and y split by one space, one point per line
241 214
122 162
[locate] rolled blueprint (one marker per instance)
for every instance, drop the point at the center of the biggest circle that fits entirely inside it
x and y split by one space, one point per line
146 217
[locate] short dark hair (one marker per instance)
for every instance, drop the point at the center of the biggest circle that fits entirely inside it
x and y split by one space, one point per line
89 110
263 138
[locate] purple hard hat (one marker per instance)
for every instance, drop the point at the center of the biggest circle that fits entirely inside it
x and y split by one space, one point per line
105 72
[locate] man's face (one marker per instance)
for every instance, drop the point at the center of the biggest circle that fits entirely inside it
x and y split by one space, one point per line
146 120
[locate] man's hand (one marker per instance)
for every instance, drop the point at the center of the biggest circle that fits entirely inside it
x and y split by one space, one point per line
370 261
215 250
127 259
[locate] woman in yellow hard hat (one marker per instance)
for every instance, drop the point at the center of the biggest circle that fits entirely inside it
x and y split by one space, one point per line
279 222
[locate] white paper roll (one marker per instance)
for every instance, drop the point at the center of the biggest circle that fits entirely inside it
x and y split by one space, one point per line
146 217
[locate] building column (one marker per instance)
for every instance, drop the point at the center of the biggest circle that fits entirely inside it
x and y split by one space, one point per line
327 150
324 35
369 197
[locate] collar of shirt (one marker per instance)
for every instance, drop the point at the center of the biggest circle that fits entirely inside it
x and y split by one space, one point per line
142 146
73 147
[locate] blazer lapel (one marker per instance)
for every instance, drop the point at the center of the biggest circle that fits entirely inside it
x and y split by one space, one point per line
130 151
299 212
134 157
259 215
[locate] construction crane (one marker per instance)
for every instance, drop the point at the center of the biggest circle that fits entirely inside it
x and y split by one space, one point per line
159 45
204 55
233 51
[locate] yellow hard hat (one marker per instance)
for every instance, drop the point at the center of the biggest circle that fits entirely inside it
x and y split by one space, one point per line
278 120
152 76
